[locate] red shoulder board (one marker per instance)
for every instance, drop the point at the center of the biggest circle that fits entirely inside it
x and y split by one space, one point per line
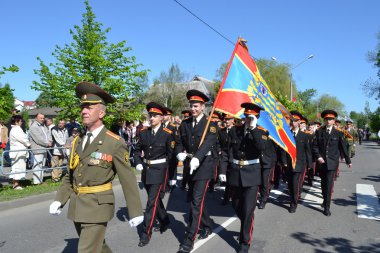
172 124
168 130
262 128
115 136
340 130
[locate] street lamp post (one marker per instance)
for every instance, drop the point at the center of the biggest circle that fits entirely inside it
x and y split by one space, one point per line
291 75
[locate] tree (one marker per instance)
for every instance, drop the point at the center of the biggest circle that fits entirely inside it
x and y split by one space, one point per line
6 102
13 68
327 101
219 76
45 99
90 57
371 87
168 90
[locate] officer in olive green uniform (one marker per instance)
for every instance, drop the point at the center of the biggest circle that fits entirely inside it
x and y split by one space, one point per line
350 138
94 161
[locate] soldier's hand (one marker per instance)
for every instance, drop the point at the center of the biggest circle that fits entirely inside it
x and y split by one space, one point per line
136 221
222 178
194 164
349 165
54 208
172 183
139 167
320 160
181 156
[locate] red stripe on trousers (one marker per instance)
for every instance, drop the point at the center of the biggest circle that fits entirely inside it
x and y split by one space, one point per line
252 222
154 210
201 211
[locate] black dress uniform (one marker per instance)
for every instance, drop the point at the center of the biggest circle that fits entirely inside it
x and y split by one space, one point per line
244 176
158 150
224 165
189 139
268 162
296 174
328 145
172 171
186 166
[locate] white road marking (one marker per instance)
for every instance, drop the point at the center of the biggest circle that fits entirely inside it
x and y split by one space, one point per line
368 206
225 224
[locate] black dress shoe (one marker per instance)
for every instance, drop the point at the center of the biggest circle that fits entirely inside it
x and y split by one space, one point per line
243 248
143 243
327 212
292 208
262 204
205 234
183 248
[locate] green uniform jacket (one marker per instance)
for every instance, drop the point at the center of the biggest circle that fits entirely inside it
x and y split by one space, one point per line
106 156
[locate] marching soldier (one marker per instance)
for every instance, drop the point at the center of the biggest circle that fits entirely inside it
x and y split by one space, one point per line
328 144
157 144
94 161
244 176
267 161
172 172
350 138
224 139
186 168
189 146
303 162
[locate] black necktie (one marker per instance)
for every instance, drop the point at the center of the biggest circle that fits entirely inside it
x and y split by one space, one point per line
328 130
294 134
153 133
195 122
88 141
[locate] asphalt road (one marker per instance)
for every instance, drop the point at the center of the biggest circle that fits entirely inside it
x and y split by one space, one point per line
26 226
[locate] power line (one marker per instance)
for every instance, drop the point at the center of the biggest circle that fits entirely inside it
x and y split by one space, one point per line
204 22
212 28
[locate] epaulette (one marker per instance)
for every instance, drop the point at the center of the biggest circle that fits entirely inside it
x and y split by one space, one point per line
143 129
262 128
340 130
115 136
308 132
172 124
168 130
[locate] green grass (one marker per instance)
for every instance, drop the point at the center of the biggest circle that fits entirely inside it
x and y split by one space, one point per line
7 193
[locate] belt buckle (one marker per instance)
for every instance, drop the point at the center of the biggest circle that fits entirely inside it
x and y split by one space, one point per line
241 162
148 162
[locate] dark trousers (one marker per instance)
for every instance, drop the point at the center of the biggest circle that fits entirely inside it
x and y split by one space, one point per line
154 208
186 177
327 184
266 183
244 203
278 174
295 181
91 237
198 212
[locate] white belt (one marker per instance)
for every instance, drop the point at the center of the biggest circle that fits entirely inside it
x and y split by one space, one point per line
208 153
245 162
149 162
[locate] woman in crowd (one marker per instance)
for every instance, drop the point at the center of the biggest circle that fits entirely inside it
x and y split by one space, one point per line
18 141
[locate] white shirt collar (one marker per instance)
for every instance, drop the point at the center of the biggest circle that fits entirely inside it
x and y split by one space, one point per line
156 128
96 132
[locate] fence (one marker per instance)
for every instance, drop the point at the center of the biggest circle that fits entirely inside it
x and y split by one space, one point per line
6 170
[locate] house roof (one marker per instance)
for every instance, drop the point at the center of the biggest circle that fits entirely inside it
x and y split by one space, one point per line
47 111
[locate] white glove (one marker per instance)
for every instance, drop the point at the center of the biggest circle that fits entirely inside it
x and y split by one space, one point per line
194 164
354 145
253 122
320 160
139 167
54 208
181 156
222 178
172 182
136 221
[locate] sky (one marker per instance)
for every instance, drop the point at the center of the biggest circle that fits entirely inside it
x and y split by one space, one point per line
338 33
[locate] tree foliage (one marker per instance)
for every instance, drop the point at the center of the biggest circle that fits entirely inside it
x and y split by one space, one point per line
90 57
6 102
168 90
371 87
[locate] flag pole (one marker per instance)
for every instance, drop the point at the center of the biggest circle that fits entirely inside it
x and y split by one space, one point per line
242 42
